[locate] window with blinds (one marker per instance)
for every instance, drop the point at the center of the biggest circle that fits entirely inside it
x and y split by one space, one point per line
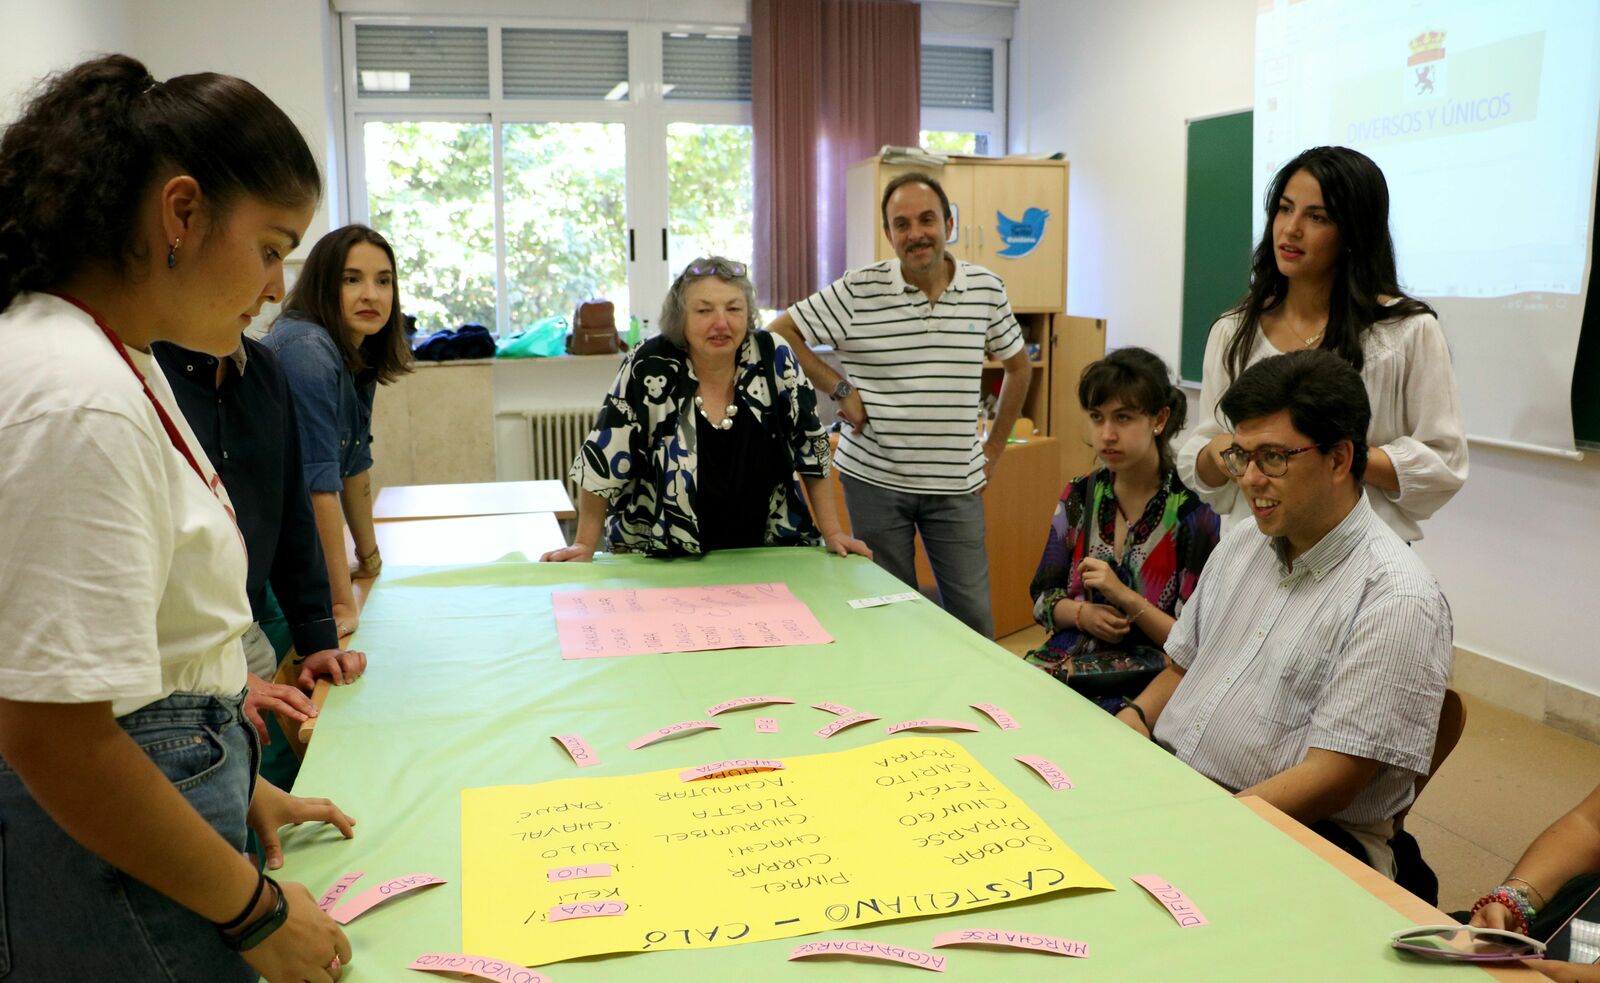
955 77
705 67
545 64
406 62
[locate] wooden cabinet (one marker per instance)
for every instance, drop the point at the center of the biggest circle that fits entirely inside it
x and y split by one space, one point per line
1074 343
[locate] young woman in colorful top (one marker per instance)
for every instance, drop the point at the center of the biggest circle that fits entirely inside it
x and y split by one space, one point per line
339 336
134 211
1323 276
1127 541
698 443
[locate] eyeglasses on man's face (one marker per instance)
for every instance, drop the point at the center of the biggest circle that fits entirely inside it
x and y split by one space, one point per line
1270 461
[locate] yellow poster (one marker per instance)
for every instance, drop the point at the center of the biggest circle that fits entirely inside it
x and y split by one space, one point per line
900 829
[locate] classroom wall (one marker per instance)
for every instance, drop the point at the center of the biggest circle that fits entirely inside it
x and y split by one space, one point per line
39 38
1111 85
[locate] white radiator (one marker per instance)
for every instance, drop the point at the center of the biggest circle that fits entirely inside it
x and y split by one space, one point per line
548 443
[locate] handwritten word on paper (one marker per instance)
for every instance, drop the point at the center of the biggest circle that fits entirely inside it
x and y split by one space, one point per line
836 726
592 624
901 828
586 909
577 873
930 724
1175 901
766 725
745 701
334 893
870 950
582 754
661 733
835 708
999 716
372 897
1012 940
475 967
882 599
730 767
1053 776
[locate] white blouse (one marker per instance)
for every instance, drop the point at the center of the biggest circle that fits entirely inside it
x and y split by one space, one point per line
1416 419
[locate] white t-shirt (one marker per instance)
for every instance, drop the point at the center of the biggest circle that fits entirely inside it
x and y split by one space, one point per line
1416 419
123 575
918 367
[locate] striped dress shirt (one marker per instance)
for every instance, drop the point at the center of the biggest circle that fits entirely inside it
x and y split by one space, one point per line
1348 651
919 368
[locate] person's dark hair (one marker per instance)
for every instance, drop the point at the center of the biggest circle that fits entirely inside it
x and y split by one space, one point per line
1140 380
1324 394
74 165
913 177
1357 200
384 356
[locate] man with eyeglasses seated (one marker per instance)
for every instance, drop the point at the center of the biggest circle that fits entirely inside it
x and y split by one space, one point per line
1309 665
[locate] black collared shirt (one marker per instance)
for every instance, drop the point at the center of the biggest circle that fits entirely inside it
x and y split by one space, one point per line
247 428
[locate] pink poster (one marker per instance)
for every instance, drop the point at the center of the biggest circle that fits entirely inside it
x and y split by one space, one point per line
593 624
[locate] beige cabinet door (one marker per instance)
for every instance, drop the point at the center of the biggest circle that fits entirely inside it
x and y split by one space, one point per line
1019 221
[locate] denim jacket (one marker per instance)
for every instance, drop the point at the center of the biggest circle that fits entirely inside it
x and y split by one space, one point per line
334 413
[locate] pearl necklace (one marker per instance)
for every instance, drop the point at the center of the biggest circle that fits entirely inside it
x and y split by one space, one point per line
727 420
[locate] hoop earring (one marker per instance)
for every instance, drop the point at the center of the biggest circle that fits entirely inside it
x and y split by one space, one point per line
172 253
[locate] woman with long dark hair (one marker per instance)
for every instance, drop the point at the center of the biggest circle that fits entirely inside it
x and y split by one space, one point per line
1323 276
133 211
341 333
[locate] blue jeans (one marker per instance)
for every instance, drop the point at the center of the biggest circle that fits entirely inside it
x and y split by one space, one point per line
65 914
888 521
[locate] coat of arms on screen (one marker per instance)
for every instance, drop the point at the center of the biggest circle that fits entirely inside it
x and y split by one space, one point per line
1425 68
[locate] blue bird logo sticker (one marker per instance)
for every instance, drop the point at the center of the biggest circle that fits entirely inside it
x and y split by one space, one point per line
1021 236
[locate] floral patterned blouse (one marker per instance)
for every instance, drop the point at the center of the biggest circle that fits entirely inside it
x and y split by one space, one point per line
1162 555
641 456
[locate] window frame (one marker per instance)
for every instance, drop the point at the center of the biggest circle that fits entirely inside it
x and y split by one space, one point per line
993 122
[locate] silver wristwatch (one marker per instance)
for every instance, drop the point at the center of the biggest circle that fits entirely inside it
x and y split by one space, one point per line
842 390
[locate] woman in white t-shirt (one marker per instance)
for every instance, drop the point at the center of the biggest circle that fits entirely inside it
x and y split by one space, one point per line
133 211
1323 276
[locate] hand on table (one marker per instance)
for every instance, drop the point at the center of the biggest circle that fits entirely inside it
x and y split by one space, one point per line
271 809
308 946
340 665
345 618
576 553
276 697
844 544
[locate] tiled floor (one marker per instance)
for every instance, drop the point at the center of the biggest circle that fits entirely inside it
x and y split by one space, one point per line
1507 780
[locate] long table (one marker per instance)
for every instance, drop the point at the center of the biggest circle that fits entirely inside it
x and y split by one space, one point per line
466 686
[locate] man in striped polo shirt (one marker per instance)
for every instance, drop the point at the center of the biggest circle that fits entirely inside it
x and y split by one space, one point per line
913 333
1309 665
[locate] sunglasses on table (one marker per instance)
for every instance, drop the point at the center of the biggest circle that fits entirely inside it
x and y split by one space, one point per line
1270 461
1467 943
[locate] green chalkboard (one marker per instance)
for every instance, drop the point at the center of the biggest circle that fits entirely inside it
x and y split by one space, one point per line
1586 371
1218 201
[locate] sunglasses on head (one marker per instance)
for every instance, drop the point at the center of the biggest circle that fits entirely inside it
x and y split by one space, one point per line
716 267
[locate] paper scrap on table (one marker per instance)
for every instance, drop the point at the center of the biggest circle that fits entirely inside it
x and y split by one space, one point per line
559 874
730 767
388 890
661 733
1013 940
582 754
934 723
832 842
835 708
882 599
1004 720
592 624
1175 901
586 909
828 730
766 725
334 893
1053 776
870 950
475 967
745 701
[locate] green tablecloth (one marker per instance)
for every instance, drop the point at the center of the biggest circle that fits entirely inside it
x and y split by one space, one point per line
466 685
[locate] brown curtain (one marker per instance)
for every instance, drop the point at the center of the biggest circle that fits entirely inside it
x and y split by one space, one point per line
832 81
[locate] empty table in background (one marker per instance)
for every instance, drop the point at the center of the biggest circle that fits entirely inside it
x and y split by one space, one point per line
481 498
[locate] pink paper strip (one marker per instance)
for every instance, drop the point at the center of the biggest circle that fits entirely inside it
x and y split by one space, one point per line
1013 940
579 872
372 897
1053 776
582 754
586 909
931 724
836 726
669 730
766 725
475 967
745 701
1175 901
999 716
837 708
331 898
870 950
594 624
716 769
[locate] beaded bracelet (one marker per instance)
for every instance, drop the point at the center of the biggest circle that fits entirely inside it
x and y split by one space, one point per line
1514 901
1531 890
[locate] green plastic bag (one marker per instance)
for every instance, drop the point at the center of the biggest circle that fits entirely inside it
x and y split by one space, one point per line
546 337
